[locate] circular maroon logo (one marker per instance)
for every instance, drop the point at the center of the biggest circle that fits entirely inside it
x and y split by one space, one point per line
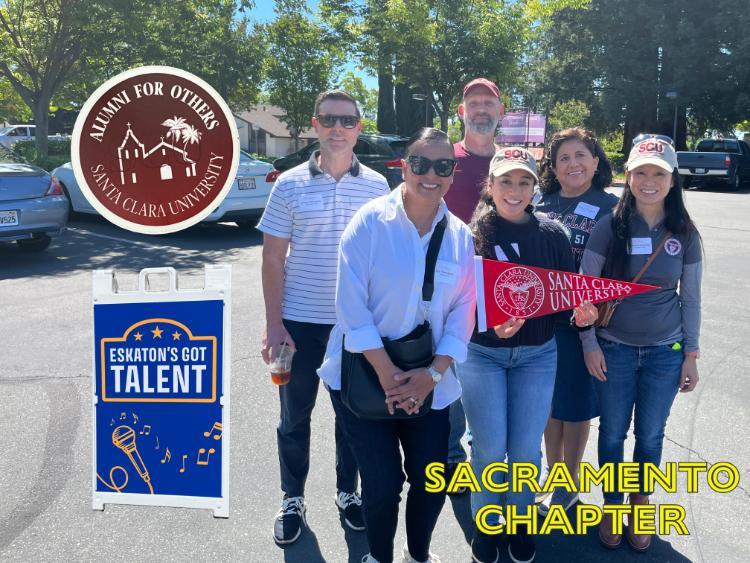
519 292
155 150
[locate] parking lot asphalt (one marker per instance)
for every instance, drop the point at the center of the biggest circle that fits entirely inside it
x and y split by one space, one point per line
46 415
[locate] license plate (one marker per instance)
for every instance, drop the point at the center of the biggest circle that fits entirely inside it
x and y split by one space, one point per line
8 218
246 183
700 170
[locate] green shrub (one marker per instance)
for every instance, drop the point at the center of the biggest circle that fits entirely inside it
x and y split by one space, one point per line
617 160
58 153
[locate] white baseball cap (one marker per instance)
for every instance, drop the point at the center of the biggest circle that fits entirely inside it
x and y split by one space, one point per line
652 151
513 158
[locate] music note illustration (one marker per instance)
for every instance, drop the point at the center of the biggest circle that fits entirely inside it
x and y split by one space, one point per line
146 430
167 457
218 428
135 418
182 469
123 416
157 443
208 456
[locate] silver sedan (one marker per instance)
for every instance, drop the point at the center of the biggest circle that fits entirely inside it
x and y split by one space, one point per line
33 206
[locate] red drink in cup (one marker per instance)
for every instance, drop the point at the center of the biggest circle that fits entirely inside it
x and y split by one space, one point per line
281 365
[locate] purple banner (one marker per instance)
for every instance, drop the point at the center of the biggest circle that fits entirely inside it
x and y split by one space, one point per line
522 128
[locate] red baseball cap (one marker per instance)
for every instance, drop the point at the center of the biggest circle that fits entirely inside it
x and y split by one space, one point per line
482 82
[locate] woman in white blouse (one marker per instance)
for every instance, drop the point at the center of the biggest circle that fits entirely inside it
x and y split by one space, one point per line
379 294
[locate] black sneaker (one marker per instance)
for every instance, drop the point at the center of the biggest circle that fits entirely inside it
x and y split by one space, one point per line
350 507
289 520
484 548
521 546
450 469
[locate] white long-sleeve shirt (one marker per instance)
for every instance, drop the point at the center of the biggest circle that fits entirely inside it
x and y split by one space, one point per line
379 288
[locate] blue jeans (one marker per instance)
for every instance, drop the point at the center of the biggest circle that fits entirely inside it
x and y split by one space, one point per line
507 393
643 379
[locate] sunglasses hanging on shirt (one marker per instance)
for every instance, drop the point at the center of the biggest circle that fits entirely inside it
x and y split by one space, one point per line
328 121
420 165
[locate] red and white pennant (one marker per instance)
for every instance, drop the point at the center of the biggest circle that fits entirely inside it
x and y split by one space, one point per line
506 290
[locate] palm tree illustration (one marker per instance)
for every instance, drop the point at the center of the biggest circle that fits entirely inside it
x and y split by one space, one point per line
175 126
190 135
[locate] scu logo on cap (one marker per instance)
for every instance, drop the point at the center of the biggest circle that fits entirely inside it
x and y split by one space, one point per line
515 154
651 146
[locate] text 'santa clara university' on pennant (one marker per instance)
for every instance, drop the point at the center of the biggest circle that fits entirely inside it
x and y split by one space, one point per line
506 290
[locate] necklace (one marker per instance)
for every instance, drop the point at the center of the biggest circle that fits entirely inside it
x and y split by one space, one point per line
559 204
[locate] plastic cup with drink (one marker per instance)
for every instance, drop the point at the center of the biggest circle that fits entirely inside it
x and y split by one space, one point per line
281 365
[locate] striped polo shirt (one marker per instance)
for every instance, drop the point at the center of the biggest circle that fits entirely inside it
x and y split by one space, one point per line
308 207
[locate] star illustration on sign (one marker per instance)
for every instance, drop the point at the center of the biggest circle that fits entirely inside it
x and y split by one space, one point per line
176 335
138 336
157 332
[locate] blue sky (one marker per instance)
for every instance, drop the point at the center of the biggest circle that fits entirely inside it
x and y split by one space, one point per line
263 12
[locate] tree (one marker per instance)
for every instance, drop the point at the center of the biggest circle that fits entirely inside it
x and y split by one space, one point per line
40 42
12 107
367 98
300 64
60 50
567 114
623 58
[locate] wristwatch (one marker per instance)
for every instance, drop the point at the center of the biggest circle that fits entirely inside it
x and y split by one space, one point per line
435 374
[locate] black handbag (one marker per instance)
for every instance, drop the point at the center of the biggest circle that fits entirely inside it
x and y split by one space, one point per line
361 391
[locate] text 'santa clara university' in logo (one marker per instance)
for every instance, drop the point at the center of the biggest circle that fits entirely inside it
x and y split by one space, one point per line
519 292
155 150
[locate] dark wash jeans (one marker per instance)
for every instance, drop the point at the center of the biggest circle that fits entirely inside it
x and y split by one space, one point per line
297 403
376 446
641 380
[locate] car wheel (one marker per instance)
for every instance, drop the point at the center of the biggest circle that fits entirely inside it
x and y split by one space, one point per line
36 244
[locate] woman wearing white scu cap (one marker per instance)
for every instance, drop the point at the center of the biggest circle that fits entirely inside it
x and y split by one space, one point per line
509 374
648 351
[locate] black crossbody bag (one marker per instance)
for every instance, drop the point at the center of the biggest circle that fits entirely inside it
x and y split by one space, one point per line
361 391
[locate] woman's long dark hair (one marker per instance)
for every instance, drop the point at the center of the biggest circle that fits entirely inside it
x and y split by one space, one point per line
677 220
548 182
484 220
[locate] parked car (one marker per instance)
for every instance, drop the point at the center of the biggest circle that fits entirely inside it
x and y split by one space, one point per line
15 133
243 204
382 153
716 161
33 207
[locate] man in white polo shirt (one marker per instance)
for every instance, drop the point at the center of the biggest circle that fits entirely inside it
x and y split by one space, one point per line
307 211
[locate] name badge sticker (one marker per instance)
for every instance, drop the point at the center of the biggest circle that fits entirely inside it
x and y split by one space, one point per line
587 210
640 245
446 273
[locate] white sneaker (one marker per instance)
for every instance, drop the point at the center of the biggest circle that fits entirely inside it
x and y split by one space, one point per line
540 497
431 558
561 497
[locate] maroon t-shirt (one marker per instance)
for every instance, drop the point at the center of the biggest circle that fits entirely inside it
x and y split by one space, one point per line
468 179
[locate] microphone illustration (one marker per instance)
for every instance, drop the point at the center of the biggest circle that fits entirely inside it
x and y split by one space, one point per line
124 438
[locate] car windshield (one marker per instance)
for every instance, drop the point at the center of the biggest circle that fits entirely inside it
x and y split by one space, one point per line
4 130
245 157
9 157
722 145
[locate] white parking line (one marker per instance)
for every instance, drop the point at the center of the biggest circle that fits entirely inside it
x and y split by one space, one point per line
118 239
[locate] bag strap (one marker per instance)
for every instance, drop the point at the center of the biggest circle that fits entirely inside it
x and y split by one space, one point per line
428 286
651 258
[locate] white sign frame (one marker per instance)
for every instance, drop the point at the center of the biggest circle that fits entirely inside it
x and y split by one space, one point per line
217 286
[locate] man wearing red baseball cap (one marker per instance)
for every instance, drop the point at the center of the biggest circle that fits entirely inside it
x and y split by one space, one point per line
481 111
